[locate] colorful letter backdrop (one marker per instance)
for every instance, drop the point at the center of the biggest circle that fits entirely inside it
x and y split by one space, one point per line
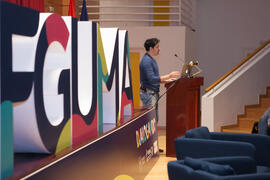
61 79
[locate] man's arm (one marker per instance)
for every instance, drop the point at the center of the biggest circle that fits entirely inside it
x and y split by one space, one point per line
169 77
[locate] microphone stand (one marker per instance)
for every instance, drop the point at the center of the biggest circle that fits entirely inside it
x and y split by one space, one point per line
165 92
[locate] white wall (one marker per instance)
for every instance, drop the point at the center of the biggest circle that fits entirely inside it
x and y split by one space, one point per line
173 40
221 105
226 30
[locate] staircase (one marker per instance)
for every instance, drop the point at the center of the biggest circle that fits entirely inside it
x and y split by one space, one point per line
252 114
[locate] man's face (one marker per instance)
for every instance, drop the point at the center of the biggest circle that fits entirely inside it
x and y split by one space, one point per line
155 50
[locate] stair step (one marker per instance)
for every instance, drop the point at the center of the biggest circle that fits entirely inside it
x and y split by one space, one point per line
236 129
246 122
268 91
255 112
265 101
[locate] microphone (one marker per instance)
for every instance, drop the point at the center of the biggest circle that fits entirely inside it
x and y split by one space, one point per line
187 68
179 58
185 71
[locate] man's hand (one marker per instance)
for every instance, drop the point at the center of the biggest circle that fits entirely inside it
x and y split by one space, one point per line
174 74
170 77
170 80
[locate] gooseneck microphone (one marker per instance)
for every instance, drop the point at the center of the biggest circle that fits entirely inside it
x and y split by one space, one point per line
187 68
179 58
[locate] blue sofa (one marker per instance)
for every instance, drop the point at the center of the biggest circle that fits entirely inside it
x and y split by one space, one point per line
200 143
219 168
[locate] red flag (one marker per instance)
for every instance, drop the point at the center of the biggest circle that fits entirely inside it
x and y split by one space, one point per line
71 10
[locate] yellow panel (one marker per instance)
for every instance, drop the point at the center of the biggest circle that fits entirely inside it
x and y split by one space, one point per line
123 177
65 137
135 76
161 10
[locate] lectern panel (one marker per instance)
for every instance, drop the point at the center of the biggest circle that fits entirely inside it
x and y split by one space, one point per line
183 109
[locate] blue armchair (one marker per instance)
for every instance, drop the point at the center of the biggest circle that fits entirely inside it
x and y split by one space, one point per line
219 168
200 143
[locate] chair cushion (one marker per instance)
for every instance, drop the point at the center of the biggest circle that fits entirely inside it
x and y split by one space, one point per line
201 133
263 169
213 168
217 169
193 163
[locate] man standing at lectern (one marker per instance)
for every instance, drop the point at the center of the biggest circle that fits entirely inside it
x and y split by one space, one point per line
149 75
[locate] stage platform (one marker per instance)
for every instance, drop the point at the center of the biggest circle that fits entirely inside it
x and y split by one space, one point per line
130 149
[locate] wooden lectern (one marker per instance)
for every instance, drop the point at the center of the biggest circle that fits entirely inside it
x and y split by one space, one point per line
183 109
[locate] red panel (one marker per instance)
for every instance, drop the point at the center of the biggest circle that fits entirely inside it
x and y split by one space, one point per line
125 101
57 30
82 132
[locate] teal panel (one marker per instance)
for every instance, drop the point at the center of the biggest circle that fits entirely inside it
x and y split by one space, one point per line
7 156
100 105
128 53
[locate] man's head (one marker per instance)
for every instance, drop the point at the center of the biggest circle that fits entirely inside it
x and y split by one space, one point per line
152 46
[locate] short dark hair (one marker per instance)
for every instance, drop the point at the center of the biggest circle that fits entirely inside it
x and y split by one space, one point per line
151 43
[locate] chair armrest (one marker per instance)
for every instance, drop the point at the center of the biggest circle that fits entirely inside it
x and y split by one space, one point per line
177 170
203 175
240 164
254 176
202 148
261 143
